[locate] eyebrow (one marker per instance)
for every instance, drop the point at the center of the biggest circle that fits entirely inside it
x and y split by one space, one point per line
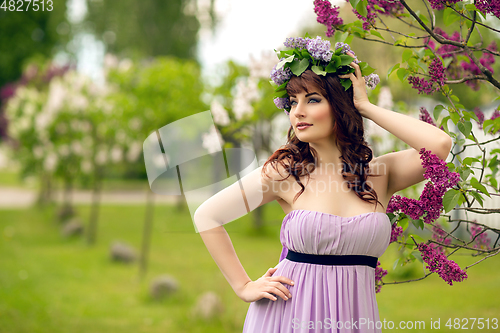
310 94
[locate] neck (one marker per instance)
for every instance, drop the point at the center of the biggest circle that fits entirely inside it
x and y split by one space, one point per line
328 161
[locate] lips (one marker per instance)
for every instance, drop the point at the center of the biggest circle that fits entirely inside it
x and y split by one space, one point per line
303 126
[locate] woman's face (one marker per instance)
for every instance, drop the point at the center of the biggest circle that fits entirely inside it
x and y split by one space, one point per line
312 108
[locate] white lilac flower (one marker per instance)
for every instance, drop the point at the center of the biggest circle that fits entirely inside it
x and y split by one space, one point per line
260 68
50 162
134 151
63 150
76 147
86 166
372 80
219 113
385 98
101 157
319 49
212 141
116 154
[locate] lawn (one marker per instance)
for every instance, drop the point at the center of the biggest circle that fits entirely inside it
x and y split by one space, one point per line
52 284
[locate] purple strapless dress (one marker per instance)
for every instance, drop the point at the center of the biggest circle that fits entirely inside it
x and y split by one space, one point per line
325 298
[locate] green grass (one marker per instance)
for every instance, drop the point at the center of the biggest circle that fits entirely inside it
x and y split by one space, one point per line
52 284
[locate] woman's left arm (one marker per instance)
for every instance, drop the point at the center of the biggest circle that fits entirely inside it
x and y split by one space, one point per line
404 168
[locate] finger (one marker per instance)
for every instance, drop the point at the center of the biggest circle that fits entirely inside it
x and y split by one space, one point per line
268 295
357 69
270 271
283 279
278 292
283 290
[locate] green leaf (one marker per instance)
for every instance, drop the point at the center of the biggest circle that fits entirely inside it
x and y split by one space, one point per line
447 62
340 36
367 70
478 197
403 223
449 16
346 83
318 70
406 55
455 117
284 61
334 64
402 74
493 182
361 8
465 127
345 59
450 199
299 67
413 64
437 111
392 69
419 224
417 238
476 184
354 3
376 33
395 264
464 173
424 19
469 160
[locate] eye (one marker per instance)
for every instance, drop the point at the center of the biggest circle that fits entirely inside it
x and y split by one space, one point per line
314 100
293 102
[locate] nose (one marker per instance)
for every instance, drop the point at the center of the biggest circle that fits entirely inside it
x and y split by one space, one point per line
299 110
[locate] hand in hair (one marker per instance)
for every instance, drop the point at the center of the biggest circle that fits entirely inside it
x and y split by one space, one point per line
358 85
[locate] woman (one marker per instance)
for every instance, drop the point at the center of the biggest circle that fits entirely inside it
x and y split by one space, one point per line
335 226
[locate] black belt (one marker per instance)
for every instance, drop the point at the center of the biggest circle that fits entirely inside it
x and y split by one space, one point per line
332 259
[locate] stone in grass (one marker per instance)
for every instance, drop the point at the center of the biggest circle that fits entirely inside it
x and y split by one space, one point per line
163 286
122 252
208 306
73 227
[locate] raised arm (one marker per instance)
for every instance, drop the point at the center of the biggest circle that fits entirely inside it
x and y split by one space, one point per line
404 168
226 206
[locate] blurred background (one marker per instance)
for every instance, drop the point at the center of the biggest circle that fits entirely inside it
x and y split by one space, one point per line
85 245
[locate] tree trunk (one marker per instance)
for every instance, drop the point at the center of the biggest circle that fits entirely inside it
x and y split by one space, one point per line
146 234
94 209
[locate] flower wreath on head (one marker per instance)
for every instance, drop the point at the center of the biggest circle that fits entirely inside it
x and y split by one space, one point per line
314 54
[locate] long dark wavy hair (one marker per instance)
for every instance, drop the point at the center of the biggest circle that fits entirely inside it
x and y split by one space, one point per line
348 129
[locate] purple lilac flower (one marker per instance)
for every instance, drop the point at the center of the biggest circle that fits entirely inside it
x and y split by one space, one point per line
480 116
372 80
379 275
437 262
421 84
495 114
439 235
327 15
489 6
299 43
319 49
430 202
440 4
282 103
396 231
280 76
437 72
482 241
447 50
345 48
425 116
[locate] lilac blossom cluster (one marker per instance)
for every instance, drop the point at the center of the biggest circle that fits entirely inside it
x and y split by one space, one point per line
327 15
482 241
318 48
465 68
431 199
494 116
280 76
439 235
372 80
375 7
437 262
283 103
438 77
480 116
345 49
440 4
489 7
425 116
396 231
379 275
